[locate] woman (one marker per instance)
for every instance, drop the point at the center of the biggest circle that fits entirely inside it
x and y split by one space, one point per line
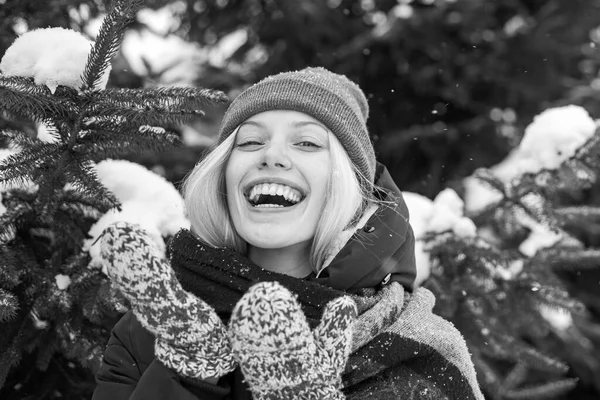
296 279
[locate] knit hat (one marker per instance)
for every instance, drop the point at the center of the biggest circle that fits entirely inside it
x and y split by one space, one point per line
330 98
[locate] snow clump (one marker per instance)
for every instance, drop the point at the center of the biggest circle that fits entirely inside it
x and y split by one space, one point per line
51 56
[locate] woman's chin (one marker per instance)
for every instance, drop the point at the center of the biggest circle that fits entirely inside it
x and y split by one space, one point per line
273 241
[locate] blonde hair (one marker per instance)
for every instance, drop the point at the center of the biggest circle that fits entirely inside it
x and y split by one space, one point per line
205 200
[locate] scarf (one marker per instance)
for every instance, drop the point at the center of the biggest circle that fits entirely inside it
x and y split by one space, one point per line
400 349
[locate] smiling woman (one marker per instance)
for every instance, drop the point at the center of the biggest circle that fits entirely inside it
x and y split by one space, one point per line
296 278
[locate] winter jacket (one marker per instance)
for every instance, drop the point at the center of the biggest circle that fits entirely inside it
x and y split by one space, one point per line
379 252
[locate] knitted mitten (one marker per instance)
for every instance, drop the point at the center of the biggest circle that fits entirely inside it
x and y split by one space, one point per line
280 357
190 338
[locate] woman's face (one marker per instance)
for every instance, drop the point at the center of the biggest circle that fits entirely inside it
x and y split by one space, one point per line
276 178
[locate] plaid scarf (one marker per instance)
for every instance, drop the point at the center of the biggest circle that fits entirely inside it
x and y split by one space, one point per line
400 349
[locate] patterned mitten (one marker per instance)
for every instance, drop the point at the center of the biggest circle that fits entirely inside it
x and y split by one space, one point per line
280 357
190 338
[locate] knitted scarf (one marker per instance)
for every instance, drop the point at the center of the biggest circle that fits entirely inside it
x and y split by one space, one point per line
400 349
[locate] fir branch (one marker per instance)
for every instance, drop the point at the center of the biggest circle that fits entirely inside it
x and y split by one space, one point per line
18 138
79 212
537 360
70 228
9 305
50 184
52 301
558 298
14 262
48 348
544 391
100 145
446 300
568 259
577 172
487 373
163 97
580 170
9 359
57 129
499 346
21 96
89 304
76 264
110 298
108 41
490 180
540 208
16 215
577 214
75 343
83 278
516 376
29 163
83 178
530 321
140 114
84 207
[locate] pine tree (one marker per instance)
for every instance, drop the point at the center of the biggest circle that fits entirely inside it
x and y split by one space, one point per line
56 311
502 287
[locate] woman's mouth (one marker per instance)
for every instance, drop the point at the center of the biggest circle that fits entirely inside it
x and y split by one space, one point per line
273 195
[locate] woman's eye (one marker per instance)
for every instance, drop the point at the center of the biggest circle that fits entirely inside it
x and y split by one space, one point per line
308 144
249 143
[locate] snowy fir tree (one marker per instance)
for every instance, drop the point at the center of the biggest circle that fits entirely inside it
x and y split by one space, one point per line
60 189
497 274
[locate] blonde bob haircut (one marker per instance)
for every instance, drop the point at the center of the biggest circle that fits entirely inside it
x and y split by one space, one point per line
204 194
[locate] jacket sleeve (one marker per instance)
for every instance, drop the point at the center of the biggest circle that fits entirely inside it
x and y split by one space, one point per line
125 375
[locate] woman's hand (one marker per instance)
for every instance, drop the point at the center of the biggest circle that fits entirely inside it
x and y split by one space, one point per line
280 357
190 338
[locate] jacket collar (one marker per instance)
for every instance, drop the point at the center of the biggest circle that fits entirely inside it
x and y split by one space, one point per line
377 250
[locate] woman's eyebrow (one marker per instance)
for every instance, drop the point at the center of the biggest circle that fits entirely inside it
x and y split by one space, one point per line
300 124
255 123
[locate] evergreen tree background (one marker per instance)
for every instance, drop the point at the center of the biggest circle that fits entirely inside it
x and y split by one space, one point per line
451 85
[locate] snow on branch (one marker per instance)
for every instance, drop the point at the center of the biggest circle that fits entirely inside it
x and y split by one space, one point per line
51 56
559 141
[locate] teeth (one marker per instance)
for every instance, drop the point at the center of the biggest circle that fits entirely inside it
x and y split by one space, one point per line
273 189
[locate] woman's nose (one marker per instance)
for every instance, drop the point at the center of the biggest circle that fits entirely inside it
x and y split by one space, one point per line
275 156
